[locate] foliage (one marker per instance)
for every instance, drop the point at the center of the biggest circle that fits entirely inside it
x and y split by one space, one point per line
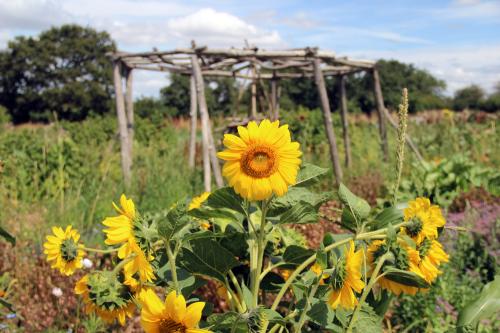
470 97
64 71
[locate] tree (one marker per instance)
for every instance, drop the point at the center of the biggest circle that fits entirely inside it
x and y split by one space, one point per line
470 97
64 70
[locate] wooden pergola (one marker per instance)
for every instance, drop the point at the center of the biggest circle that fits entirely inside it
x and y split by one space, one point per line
253 64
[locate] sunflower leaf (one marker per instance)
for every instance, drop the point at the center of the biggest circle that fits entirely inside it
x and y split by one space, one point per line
173 222
405 277
308 174
11 239
357 206
226 198
296 254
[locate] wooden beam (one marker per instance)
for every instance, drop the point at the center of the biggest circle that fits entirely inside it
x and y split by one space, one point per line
327 118
194 115
274 100
122 124
253 106
208 141
379 99
345 123
129 106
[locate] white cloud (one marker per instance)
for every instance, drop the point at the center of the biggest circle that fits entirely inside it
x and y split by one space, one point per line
470 9
458 66
31 14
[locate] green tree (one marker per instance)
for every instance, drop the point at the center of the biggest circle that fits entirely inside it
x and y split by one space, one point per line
64 70
470 97
492 102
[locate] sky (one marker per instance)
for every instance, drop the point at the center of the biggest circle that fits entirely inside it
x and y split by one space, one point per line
455 40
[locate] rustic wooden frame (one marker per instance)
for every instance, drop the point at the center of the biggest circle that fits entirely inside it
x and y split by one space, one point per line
255 65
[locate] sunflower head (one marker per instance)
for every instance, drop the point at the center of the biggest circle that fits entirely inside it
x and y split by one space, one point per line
431 256
107 295
171 316
199 200
261 161
423 220
63 250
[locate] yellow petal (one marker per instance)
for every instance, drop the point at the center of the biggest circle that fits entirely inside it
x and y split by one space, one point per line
193 314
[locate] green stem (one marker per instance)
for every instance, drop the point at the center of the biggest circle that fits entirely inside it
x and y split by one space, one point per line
261 245
269 268
302 318
173 268
238 288
366 291
234 298
122 263
89 249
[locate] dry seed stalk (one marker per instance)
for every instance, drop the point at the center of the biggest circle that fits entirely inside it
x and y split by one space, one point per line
400 153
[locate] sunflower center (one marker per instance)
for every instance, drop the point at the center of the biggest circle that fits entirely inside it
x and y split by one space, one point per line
170 326
424 247
69 250
339 276
414 227
259 162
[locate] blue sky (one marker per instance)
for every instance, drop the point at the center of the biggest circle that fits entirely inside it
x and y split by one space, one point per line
456 40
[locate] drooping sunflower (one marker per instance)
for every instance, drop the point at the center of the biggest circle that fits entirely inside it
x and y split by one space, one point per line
196 203
64 250
122 231
431 256
171 316
261 161
424 220
104 294
347 279
406 258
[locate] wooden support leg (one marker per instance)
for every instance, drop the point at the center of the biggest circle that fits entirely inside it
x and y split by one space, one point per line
274 100
209 153
327 118
129 106
253 110
122 124
345 123
194 115
379 99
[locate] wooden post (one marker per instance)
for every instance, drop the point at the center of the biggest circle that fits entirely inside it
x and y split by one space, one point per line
327 118
122 124
129 106
209 154
274 99
379 99
194 115
253 110
345 123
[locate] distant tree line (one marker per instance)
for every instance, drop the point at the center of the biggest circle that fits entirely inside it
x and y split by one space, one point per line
65 72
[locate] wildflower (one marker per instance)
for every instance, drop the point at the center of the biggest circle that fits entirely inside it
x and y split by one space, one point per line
316 269
261 161
171 315
63 250
57 292
423 218
87 263
122 230
431 256
196 203
104 294
405 258
347 279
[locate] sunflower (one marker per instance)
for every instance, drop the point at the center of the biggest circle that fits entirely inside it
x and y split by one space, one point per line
318 270
261 161
406 258
122 231
171 316
347 279
105 295
431 256
64 250
424 219
196 203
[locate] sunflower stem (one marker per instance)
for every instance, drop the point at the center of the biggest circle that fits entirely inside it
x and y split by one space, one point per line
312 292
122 263
366 291
89 249
261 245
238 288
173 268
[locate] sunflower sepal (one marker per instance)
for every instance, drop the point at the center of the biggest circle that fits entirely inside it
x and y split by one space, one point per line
404 277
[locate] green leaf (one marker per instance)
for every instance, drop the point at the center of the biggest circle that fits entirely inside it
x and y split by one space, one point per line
11 239
486 305
301 213
205 213
296 254
390 215
308 174
173 222
207 257
368 321
6 304
321 313
405 277
358 206
226 198
272 316
227 320
294 196
272 282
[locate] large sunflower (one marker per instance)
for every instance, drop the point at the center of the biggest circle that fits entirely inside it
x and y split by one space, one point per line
122 231
261 161
424 219
171 316
406 259
105 295
431 256
347 279
63 250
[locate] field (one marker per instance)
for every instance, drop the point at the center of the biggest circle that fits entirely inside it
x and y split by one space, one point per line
69 173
